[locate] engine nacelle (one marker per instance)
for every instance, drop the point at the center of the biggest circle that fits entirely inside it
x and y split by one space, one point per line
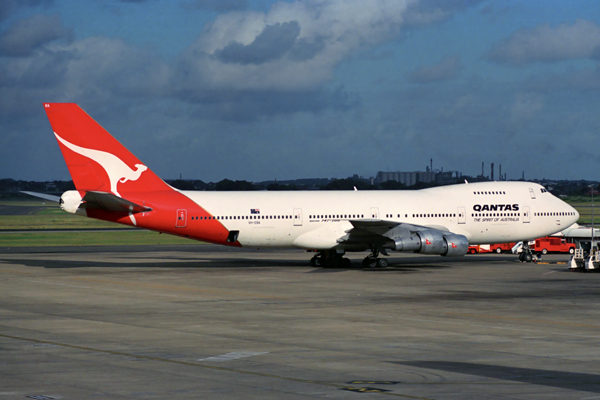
410 243
433 242
458 245
70 202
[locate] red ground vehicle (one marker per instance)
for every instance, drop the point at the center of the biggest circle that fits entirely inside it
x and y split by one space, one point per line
479 248
502 247
553 244
490 248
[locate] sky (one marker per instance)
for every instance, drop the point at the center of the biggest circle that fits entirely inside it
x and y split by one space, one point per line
260 90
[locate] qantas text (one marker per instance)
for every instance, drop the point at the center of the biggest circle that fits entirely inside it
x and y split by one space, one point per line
496 207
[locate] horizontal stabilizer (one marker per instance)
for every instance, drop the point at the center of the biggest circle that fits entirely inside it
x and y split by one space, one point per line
43 196
110 202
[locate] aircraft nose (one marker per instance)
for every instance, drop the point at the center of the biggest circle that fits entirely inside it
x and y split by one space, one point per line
575 214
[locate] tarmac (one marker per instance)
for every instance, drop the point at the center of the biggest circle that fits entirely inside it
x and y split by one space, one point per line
209 322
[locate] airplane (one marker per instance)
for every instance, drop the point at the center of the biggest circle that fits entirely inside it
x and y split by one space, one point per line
113 185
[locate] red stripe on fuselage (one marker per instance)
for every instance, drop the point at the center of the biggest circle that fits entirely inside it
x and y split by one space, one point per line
199 224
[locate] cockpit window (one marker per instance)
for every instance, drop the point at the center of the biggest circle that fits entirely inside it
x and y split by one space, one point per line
544 190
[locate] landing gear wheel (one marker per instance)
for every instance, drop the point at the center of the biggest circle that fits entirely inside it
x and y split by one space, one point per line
526 255
369 262
330 259
382 263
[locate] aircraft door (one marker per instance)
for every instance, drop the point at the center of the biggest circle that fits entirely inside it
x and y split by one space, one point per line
526 215
462 215
375 212
181 221
297 217
532 193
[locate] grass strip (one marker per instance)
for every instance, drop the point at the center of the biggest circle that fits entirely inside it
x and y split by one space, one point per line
113 238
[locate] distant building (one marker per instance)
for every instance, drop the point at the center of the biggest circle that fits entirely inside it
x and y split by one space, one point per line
407 178
412 178
446 178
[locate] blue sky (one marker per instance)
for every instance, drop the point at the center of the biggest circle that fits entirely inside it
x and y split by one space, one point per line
260 90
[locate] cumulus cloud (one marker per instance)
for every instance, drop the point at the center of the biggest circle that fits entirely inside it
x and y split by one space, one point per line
428 12
244 65
271 44
446 69
546 44
26 35
93 70
101 65
294 46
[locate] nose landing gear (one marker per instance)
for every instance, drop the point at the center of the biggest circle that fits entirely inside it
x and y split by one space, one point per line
526 255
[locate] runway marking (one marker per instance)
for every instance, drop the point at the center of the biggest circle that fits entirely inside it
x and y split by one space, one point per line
551 263
212 367
233 356
366 390
481 326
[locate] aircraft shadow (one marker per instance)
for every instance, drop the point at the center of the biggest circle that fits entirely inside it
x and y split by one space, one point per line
214 262
558 379
166 263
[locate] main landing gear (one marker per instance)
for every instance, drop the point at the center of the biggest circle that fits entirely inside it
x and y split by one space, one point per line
330 259
333 259
371 261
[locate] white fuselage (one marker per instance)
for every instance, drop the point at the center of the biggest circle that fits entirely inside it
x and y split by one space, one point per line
488 212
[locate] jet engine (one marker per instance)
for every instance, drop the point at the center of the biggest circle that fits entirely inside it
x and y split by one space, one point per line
433 242
70 202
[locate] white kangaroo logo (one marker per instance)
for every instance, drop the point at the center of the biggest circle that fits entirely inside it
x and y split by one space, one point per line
115 168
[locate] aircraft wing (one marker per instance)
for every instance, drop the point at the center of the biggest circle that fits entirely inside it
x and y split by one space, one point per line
100 200
43 196
400 236
382 232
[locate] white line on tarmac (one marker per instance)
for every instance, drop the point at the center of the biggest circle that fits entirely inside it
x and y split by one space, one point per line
473 325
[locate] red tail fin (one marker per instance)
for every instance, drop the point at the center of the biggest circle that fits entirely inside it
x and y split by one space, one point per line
96 160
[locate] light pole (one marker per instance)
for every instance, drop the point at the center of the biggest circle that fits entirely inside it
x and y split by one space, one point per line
592 186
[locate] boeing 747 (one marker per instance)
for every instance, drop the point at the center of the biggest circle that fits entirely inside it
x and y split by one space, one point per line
113 185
